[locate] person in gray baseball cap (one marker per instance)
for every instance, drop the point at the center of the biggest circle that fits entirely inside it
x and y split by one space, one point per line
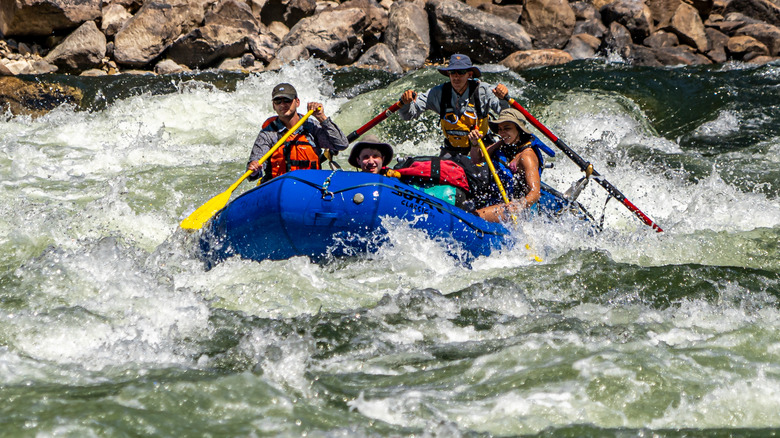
306 148
463 103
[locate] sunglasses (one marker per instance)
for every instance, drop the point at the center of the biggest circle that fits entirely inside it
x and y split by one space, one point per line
281 100
459 72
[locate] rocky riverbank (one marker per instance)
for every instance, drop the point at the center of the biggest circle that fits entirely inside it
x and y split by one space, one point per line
101 37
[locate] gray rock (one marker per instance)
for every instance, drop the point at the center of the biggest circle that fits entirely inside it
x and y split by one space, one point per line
456 26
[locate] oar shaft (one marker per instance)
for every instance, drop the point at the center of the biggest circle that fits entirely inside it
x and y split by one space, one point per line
373 122
583 165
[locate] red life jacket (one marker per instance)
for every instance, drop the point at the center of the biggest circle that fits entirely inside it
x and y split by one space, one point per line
296 152
458 171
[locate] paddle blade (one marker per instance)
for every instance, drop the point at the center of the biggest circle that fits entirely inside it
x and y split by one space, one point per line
199 217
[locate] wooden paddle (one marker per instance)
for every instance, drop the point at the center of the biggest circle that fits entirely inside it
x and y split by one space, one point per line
373 122
199 217
584 166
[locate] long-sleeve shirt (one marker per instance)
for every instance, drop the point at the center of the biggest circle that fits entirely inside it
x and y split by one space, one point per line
431 100
325 135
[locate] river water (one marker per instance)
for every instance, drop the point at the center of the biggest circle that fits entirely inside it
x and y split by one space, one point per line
111 326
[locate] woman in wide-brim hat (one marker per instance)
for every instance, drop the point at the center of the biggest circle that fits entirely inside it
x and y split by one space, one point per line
371 155
516 150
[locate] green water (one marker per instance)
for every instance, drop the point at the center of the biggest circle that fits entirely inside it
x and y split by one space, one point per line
111 326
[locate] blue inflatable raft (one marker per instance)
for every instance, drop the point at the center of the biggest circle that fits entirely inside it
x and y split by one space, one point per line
323 213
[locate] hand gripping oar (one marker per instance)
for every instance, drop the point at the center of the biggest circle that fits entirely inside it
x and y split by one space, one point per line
584 166
202 215
373 122
501 189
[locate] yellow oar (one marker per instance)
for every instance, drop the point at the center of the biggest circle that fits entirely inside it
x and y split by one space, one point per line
199 217
501 189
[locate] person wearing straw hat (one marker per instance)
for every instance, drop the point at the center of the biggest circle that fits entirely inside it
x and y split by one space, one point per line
463 103
305 149
370 155
518 160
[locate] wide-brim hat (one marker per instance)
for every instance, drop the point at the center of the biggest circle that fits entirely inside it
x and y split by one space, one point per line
510 115
460 62
370 142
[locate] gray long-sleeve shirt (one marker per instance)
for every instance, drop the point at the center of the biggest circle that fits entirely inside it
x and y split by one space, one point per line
325 135
431 100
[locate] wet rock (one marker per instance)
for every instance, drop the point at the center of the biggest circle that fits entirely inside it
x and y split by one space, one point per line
408 34
455 27
22 97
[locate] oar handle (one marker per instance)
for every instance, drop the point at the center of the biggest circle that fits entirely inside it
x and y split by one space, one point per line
584 165
495 175
373 122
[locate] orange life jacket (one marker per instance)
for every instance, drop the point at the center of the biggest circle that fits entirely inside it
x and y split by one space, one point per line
296 153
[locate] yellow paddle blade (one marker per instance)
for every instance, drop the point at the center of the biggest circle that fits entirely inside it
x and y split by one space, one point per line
199 217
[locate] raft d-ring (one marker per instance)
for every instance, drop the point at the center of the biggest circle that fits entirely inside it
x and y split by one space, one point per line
480 233
327 196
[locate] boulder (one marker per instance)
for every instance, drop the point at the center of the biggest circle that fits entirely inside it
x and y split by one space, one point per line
550 22
617 40
233 13
582 46
153 28
591 26
680 55
35 97
169 66
584 11
204 45
381 57
510 12
661 39
334 35
662 11
456 26
264 47
526 59
765 33
762 10
288 54
632 14
688 27
114 17
408 34
43 17
82 49
717 42
745 47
